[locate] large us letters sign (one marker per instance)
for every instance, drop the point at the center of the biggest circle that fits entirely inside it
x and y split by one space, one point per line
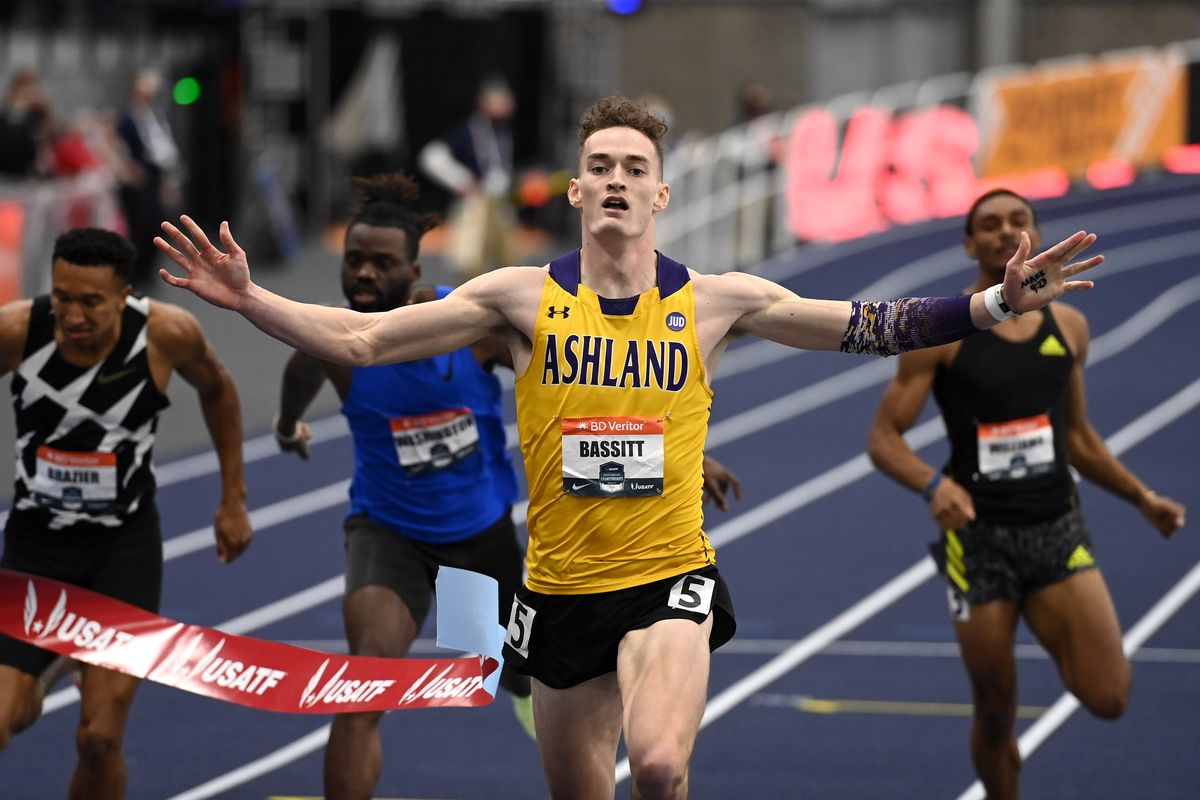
99 630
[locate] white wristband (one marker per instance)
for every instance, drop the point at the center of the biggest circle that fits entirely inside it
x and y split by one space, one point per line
993 301
279 437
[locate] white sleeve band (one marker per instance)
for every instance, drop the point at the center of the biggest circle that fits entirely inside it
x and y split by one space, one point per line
993 300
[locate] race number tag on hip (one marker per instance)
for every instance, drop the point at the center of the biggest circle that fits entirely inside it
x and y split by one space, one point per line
75 481
271 676
429 442
1019 448
612 456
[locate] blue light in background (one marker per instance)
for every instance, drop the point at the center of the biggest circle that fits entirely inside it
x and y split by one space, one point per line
624 6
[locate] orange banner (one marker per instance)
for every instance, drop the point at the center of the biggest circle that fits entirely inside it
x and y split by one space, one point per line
12 221
1073 114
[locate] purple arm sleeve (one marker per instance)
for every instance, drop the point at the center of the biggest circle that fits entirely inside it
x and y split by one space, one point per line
890 327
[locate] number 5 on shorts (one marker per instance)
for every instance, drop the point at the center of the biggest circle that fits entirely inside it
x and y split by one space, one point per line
692 593
520 626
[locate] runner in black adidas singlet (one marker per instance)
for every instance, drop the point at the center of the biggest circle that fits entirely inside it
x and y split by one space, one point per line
90 363
1013 539
612 407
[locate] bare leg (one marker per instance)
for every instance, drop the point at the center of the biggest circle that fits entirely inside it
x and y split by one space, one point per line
20 702
1075 620
578 731
986 641
663 674
378 623
107 696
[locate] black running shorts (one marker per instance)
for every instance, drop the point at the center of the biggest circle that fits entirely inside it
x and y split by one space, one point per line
985 562
377 555
564 640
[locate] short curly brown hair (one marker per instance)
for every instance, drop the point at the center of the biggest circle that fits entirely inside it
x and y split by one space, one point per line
621 112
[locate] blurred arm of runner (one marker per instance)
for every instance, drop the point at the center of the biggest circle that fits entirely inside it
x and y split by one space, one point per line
177 335
949 503
1086 448
482 306
718 480
303 377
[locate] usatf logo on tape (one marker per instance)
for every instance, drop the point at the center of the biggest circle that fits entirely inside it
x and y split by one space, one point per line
69 626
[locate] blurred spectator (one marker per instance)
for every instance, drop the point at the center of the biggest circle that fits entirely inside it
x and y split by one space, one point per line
21 121
474 161
153 186
763 151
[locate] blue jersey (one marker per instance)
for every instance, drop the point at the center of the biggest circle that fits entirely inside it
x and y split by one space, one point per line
430 457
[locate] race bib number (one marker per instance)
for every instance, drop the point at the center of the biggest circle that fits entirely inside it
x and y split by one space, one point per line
692 593
427 443
1017 449
69 481
520 627
612 456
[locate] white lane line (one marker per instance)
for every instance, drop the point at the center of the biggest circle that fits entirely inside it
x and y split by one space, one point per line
1067 704
1146 425
268 763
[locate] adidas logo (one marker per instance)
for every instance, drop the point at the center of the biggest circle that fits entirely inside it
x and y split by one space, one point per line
1080 559
1051 346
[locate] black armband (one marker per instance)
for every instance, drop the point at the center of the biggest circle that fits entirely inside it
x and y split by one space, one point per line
890 327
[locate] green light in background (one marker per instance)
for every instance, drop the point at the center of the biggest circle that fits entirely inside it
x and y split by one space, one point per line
186 91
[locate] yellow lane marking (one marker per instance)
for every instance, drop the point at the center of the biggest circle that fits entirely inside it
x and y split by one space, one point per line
815 705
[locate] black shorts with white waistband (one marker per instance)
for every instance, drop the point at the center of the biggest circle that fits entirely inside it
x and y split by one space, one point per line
564 640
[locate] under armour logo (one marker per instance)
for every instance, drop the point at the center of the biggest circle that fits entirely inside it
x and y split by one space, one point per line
566 312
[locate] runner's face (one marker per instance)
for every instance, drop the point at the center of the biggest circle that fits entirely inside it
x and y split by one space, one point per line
998 224
87 302
619 188
377 274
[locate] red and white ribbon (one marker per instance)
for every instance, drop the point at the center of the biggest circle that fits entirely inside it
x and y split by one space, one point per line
100 630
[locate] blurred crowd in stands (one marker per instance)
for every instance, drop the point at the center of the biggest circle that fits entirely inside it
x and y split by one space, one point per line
129 155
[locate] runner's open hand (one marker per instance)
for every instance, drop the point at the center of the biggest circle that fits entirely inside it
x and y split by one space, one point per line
220 278
1030 283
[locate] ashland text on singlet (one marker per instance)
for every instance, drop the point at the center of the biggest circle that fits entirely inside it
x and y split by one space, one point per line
613 413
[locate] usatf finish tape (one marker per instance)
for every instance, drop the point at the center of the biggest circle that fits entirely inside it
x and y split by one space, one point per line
99 630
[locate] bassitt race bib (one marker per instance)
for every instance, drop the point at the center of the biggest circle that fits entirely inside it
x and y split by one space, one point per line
70 481
612 456
1017 449
430 442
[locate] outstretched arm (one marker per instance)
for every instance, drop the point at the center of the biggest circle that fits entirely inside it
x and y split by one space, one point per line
887 328
339 335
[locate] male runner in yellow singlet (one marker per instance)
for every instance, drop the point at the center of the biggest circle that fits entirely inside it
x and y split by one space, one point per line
613 346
